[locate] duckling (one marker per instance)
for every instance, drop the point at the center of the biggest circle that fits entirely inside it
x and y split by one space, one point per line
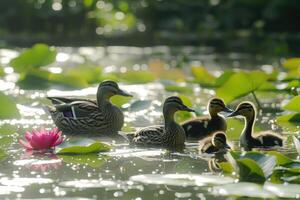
201 127
262 139
170 135
216 143
83 116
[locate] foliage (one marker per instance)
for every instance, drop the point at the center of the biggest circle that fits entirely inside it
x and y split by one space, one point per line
8 107
292 105
247 82
202 76
81 146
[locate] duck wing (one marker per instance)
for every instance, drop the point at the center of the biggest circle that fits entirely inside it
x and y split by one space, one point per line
64 100
77 109
151 135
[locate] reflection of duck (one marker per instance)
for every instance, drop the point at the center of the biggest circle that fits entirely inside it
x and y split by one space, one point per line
262 139
170 134
216 143
74 116
201 127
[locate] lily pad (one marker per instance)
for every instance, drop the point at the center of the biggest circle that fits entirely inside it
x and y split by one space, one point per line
180 89
202 76
120 100
293 104
37 56
291 63
8 108
281 159
82 146
137 77
92 74
294 118
247 82
283 190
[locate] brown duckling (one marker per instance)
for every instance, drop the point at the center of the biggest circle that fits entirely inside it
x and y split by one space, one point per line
261 139
201 127
214 144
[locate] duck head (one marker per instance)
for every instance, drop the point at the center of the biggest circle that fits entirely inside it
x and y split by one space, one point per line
219 140
109 89
245 109
216 105
173 104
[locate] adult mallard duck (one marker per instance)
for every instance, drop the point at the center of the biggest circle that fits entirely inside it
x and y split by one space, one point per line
201 127
171 134
262 139
84 116
214 144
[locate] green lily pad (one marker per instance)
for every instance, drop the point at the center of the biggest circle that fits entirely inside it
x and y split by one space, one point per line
1 72
180 89
82 146
8 108
250 171
281 159
137 77
91 74
291 63
7 129
241 84
37 56
3 155
294 118
181 116
293 104
223 78
5 142
120 100
202 76
92 160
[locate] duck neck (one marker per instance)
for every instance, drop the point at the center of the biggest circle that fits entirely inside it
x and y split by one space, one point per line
213 114
249 124
103 100
169 118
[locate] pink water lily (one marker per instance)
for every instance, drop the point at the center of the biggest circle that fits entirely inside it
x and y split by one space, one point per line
42 140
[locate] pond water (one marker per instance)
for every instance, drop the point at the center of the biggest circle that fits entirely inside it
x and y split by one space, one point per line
128 172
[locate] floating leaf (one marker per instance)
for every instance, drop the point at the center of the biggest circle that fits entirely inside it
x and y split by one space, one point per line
293 104
5 142
202 76
223 78
241 84
120 100
92 74
250 171
137 77
37 56
280 158
180 89
74 81
242 189
3 155
82 146
1 72
184 115
8 108
140 105
291 63
294 118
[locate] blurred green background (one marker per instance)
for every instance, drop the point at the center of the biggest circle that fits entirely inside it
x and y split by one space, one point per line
244 25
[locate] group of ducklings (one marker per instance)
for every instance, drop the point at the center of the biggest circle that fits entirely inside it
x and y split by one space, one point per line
84 116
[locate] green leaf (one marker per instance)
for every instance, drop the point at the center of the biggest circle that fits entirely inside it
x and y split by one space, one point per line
202 76
120 100
74 81
3 155
294 118
92 74
280 158
180 89
7 129
241 84
223 78
291 63
8 108
250 171
37 56
1 72
293 104
184 115
92 160
82 146
226 167
5 142
137 77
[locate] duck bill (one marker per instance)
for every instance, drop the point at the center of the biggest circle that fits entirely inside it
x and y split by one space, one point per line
233 114
227 110
185 108
123 93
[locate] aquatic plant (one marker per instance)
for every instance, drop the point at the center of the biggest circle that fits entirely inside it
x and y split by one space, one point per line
42 140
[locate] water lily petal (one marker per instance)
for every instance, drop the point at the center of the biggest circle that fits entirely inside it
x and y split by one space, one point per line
25 144
28 136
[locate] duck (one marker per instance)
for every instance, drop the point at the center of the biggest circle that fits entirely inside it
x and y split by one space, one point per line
169 135
262 139
202 127
84 116
214 144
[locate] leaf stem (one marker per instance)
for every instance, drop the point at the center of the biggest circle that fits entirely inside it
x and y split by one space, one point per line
256 99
